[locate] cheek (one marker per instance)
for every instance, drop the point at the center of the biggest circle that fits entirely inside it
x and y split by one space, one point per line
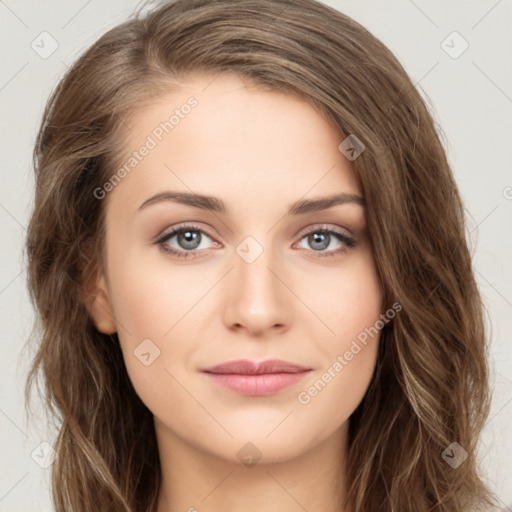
348 300
351 306
150 296
151 311
156 306
335 391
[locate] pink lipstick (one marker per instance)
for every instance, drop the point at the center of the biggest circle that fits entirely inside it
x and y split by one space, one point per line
257 379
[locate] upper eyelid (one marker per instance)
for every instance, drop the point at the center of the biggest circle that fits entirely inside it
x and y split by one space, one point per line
180 227
322 227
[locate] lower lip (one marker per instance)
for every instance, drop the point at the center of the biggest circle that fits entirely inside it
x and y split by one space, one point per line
257 385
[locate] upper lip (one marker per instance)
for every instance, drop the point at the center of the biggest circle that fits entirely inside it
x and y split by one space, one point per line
244 366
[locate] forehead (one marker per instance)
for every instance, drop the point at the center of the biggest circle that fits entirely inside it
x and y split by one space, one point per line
225 135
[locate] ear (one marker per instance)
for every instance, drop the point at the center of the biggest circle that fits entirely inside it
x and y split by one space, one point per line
98 304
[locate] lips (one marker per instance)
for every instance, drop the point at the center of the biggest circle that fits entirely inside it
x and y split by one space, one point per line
257 379
246 367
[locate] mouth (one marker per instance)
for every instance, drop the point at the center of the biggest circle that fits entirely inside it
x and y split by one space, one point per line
257 379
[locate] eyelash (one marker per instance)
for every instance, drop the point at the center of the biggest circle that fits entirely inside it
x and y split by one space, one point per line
162 241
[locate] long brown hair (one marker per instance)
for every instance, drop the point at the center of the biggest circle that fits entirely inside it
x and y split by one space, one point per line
430 386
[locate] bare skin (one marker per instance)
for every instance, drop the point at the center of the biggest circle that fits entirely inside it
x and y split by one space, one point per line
297 300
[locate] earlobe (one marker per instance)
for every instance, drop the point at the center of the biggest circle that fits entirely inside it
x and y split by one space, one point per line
99 306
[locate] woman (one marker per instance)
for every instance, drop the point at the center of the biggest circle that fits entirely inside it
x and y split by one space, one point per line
247 253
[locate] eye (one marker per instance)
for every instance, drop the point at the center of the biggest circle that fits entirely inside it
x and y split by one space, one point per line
322 238
184 241
188 241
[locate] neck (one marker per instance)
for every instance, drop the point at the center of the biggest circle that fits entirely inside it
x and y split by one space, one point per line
194 480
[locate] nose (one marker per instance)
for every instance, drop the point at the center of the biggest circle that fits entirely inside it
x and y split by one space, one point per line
257 299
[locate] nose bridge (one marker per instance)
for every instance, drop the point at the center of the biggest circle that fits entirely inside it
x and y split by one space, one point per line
255 281
257 298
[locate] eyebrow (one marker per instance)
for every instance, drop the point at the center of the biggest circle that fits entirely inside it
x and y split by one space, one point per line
216 205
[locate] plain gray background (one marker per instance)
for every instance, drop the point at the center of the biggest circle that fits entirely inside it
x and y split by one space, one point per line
469 94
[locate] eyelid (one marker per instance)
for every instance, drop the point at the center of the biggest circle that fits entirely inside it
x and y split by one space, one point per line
324 227
179 227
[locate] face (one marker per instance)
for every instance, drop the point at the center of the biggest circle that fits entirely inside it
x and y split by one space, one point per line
253 271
